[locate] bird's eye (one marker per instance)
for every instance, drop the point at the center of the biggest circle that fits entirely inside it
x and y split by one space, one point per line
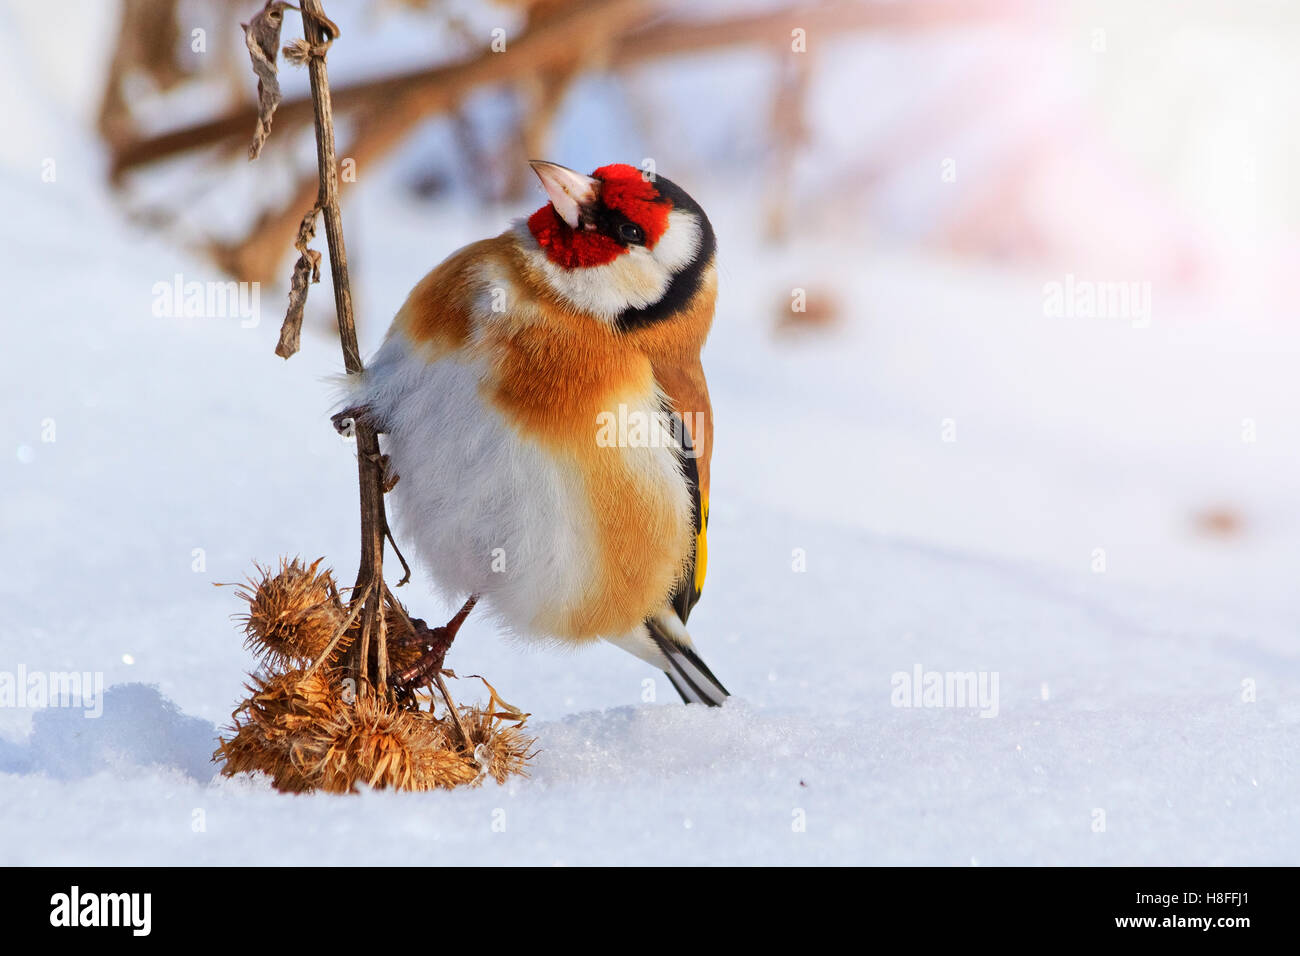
631 232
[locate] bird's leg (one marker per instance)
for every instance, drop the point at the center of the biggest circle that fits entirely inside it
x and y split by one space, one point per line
436 641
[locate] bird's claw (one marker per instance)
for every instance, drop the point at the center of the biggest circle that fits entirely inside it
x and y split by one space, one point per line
435 641
387 477
345 422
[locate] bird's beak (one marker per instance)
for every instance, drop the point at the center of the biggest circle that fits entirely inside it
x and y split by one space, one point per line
568 191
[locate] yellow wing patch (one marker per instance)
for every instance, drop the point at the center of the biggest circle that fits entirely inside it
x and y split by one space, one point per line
702 547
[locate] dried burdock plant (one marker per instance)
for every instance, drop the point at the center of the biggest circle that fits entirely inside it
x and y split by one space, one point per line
379 744
322 713
309 726
293 615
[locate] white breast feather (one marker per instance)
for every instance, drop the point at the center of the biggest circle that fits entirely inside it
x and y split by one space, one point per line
488 512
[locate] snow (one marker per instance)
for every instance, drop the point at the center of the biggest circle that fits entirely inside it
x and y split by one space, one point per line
1157 697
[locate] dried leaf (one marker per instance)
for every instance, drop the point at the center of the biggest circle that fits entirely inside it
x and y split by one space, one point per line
305 271
498 708
262 37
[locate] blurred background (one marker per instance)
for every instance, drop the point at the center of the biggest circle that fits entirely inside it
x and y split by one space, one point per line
1003 278
1003 370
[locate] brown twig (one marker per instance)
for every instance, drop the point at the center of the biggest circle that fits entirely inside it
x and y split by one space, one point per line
455 713
406 568
369 589
338 635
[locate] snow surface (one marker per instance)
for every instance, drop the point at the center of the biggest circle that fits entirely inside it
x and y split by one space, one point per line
1119 692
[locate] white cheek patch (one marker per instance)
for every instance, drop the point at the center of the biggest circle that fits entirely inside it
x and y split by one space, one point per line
636 279
677 247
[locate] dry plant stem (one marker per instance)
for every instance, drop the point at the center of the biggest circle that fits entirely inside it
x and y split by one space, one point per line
338 634
406 568
455 714
373 522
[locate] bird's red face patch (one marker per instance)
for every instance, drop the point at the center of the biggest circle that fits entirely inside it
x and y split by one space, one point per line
624 195
571 248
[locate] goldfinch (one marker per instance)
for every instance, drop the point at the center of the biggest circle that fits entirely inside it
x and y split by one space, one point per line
545 416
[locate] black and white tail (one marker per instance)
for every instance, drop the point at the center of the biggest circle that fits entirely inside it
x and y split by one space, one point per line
690 675
664 642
